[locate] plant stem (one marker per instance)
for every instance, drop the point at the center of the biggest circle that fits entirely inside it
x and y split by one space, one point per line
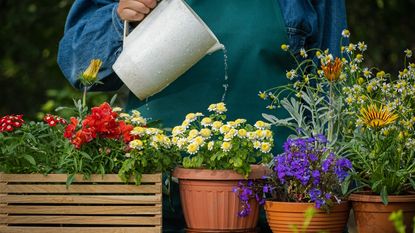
84 98
330 123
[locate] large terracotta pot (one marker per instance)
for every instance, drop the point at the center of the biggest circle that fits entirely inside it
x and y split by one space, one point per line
208 203
372 215
282 215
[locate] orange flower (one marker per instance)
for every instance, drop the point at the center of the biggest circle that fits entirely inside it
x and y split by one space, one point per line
332 70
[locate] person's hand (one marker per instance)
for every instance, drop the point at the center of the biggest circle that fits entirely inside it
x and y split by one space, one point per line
135 10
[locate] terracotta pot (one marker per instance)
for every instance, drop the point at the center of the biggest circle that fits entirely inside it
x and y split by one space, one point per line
208 203
282 215
372 215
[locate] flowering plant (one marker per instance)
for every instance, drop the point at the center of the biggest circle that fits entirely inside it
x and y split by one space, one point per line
27 147
367 114
213 143
380 138
100 140
305 172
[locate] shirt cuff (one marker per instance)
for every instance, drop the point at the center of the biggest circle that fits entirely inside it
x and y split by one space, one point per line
117 22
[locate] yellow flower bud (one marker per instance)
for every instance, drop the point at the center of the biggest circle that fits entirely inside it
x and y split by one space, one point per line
90 74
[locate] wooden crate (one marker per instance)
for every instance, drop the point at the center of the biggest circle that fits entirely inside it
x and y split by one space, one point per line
36 203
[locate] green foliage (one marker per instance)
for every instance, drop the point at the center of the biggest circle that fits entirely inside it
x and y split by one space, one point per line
34 148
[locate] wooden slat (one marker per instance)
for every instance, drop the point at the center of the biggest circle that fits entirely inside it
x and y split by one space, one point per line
84 199
12 229
57 178
80 210
44 188
90 220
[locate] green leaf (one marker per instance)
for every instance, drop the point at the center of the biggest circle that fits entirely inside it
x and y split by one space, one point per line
413 184
384 195
69 180
29 159
345 185
112 101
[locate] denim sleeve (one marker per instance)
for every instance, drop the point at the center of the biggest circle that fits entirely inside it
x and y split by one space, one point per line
314 23
93 30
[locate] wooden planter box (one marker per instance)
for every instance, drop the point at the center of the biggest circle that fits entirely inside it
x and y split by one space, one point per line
104 204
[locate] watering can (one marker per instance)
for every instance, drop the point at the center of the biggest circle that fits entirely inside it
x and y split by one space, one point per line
168 42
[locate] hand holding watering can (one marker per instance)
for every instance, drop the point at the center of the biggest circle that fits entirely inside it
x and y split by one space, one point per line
168 42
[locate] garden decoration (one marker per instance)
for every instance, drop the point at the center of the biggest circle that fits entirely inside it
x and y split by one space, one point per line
61 175
218 153
148 65
368 117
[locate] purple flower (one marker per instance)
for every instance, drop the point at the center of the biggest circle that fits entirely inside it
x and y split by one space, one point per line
342 167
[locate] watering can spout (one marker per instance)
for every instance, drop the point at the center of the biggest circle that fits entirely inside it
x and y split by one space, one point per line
215 47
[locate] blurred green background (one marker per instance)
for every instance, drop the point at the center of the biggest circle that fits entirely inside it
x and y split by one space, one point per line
31 82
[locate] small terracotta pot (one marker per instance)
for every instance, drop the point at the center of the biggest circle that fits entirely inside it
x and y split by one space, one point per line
208 203
282 215
372 215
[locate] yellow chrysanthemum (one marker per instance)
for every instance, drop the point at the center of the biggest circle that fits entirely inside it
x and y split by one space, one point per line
192 148
262 125
140 131
221 108
210 145
199 140
216 125
374 117
224 129
206 133
332 70
226 146
242 133
193 133
265 147
136 144
90 74
206 121
178 130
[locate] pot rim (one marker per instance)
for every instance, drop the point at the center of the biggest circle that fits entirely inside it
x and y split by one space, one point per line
257 172
303 206
366 197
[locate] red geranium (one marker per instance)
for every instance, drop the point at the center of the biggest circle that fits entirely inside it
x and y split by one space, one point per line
102 123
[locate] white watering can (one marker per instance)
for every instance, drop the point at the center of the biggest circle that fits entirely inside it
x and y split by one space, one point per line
170 40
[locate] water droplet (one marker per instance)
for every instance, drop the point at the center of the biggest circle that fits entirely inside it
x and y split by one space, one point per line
225 65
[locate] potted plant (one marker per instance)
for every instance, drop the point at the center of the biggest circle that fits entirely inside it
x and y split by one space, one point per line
307 174
60 176
380 142
218 153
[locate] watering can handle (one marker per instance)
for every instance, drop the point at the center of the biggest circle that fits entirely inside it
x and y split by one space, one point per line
125 33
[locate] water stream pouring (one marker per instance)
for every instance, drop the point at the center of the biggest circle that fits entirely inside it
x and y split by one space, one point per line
168 42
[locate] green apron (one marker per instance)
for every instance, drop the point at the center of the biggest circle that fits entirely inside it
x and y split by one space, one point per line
252 32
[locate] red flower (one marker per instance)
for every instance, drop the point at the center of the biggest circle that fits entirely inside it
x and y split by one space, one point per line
125 130
11 122
70 129
53 120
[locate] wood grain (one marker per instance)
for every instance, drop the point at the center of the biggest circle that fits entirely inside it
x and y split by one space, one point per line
13 229
61 178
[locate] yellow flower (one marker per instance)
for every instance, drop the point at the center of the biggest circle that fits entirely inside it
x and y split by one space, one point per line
240 121
224 129
285 47
178 130
216 125
206 121
262 125
262 95
257 144
374 117
210 145
360 80
242 133
199 140
408 53
226 146
221 108
90 74
191 117
205 132
193 133
265 147
192 148
332 70
136 144
140 131
380 74
267 134
346 33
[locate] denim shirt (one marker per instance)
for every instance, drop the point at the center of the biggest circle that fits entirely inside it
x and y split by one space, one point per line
93 29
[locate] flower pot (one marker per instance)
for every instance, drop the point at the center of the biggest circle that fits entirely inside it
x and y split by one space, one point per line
282 215
34 203
208 203
372 215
